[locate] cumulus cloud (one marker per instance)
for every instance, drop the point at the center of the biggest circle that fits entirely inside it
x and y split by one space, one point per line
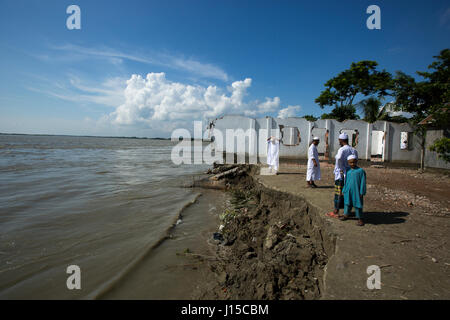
270 105
158 104
154 99
290 111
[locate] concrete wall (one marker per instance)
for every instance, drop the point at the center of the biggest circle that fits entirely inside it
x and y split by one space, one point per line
431 158
271 126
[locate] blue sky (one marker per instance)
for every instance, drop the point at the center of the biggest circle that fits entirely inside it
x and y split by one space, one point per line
205 58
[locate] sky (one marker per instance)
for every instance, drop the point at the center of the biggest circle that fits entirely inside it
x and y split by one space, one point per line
146 68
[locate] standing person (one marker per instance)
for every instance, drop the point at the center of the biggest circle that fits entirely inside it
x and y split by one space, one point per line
340 169
273 150
354 190
313 168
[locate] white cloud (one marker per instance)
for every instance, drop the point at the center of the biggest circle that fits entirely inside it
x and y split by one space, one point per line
290 111
115 57
108 93
270 105
154 100
157 104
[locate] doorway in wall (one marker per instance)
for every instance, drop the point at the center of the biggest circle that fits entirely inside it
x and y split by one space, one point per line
377 149
321 149
351 136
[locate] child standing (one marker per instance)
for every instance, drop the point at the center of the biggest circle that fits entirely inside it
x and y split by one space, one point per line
354 190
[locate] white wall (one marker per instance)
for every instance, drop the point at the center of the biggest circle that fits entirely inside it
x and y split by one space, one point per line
368 137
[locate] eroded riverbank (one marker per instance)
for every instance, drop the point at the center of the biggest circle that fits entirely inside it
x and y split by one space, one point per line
273 247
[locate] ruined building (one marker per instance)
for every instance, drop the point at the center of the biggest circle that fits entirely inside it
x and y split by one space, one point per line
381 141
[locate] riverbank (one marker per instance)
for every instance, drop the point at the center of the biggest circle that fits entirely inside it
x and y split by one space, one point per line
279 244
173 269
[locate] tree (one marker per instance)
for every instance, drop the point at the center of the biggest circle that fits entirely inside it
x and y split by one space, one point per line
342 113
310 117
361 78
442 147
372 109
439 95
427 98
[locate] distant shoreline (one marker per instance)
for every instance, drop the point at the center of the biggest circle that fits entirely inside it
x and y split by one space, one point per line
80 136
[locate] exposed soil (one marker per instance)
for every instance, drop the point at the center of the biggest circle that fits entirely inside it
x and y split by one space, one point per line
271 249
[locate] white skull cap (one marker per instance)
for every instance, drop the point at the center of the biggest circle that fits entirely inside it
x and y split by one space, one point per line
343 136
352 156
316 138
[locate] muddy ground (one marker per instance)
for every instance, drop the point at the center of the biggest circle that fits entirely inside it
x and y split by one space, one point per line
269 247
278 243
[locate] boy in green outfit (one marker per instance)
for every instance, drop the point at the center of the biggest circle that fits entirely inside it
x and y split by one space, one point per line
354 190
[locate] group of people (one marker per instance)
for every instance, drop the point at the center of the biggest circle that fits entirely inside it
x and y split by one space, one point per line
349 179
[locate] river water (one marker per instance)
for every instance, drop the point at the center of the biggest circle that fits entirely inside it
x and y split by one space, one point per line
102 204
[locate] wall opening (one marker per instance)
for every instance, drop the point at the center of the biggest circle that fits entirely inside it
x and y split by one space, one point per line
290 136
377 149
351 135
322 147
405 138
355 138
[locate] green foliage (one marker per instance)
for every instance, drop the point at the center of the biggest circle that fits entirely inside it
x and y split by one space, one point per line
310 118
427 97
372 110
240 200
442 147
228 214
342 113
361 78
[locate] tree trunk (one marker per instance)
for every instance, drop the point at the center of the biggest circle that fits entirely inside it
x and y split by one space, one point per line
422 154
422 159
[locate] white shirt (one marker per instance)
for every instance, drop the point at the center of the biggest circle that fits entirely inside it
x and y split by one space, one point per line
341 161
273 148
313 173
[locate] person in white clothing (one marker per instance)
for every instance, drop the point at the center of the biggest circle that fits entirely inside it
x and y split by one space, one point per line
340 170
273 150
341 165
313 167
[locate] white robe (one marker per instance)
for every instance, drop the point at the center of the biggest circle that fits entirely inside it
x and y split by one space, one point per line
273 148
313 173
341 161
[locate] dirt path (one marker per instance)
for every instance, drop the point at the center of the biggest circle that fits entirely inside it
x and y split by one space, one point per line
406 233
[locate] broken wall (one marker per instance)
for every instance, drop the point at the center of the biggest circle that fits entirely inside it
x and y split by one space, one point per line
360 134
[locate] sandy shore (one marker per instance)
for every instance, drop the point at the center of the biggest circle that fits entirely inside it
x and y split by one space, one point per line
279 244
